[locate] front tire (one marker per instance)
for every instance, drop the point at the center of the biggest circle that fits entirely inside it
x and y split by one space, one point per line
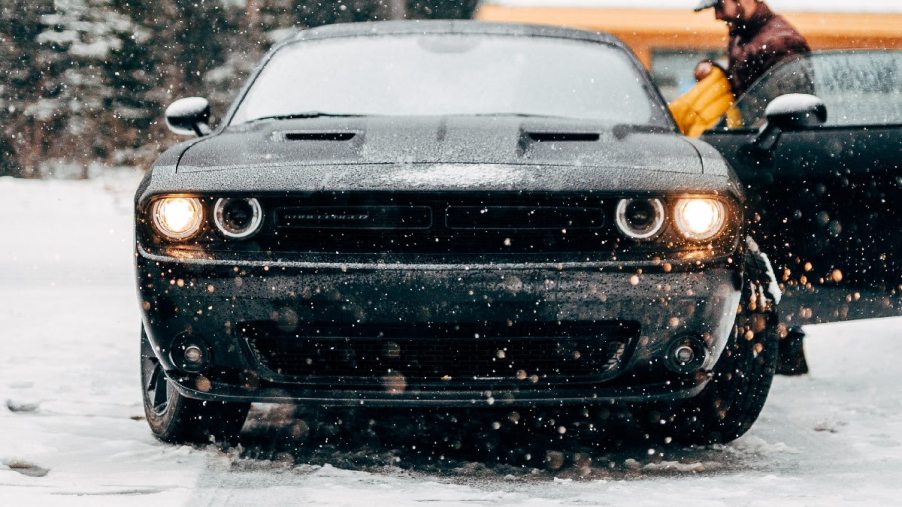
177 419
735 395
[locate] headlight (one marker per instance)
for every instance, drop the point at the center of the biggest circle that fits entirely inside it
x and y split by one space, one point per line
699 219
238 218
640 218
177 218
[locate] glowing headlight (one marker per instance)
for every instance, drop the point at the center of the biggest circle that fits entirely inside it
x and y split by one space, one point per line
699 219
177 218
640 218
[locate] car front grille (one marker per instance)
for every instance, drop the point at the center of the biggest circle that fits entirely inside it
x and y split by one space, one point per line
535 354
441 224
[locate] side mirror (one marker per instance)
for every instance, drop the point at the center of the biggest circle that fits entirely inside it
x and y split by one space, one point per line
787 113
189 116
796 111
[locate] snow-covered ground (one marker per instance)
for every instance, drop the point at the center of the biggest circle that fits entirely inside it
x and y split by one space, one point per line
72 428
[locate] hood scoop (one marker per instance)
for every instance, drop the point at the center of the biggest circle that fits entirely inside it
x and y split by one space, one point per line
315 136
532 143
562 137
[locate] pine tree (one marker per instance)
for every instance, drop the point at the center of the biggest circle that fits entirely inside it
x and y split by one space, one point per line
71 49
176 45
20 80
88 80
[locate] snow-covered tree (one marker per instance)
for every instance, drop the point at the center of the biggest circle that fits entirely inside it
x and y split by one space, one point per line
88 80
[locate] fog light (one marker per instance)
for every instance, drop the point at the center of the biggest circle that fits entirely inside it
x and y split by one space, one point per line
190 353
687 354
193 354
684 354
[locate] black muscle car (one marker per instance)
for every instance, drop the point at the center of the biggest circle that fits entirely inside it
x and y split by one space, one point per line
449 214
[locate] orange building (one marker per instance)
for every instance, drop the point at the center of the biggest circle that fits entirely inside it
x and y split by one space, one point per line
669 38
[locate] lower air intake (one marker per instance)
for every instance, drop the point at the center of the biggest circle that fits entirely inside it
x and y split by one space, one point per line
536 354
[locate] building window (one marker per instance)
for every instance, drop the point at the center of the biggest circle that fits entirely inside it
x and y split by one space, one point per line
672 69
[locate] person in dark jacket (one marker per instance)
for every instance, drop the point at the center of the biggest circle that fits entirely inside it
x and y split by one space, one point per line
759 39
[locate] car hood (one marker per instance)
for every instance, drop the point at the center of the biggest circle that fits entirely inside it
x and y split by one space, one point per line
439 154
439 140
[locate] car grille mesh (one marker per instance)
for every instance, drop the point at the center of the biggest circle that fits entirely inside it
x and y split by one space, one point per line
441 224
537 354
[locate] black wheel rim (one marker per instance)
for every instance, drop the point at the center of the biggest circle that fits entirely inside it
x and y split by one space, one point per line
156 387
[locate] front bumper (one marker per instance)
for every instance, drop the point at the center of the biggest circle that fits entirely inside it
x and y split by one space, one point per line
216 301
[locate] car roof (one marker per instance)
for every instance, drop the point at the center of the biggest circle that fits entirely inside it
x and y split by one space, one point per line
421 27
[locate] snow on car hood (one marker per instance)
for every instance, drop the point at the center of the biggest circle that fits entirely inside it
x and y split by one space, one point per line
439 140
448 153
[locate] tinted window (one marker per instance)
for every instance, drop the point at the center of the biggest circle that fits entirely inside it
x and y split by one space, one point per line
858 88
453 74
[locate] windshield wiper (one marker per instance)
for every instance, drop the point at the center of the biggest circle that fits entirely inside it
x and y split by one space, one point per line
305 114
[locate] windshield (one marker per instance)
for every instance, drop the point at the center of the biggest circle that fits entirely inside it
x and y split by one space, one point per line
443 74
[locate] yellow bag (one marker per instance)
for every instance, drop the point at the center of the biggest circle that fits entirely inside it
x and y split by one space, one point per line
700 108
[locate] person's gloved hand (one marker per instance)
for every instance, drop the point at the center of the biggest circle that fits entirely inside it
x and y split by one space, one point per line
703 69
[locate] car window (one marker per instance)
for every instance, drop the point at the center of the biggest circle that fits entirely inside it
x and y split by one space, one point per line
442 74
863 88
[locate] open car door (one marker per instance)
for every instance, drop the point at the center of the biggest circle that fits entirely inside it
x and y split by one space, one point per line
817 141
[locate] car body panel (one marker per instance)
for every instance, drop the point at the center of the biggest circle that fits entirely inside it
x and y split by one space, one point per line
221 303
434 177
449 139
827 197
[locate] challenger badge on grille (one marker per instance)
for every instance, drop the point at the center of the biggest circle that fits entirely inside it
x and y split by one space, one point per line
356 217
